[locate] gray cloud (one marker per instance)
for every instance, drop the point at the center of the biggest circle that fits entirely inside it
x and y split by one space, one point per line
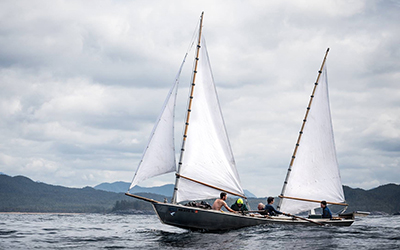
82 84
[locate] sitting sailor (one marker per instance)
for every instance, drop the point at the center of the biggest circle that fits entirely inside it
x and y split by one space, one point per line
219 203
269 209
261 208
239 206
326 213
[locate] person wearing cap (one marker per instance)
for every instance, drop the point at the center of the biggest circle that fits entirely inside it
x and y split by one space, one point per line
239 206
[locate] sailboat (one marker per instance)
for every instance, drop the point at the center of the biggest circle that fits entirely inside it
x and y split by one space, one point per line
206 165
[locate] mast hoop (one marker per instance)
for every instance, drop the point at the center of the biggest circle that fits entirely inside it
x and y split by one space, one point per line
189 107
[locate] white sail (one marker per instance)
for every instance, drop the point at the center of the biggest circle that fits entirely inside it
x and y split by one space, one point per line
208 156
315 173
159 156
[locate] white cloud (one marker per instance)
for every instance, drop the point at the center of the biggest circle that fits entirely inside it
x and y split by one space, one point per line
83 81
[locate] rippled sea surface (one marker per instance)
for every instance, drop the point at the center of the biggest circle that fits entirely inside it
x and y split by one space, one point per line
110 231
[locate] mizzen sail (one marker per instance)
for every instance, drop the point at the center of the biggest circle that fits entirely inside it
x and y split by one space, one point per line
314 173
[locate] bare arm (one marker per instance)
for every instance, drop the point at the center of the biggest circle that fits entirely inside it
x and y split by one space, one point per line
228 208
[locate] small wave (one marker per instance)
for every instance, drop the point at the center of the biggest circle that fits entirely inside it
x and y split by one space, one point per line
50 229
7 232
93 239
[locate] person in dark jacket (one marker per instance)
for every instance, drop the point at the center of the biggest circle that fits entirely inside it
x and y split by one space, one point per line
239 206
326 213
269 209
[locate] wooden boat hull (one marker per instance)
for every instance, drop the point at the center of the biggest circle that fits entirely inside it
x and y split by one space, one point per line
198 219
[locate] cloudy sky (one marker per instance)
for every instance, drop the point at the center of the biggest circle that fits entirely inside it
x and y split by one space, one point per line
82 83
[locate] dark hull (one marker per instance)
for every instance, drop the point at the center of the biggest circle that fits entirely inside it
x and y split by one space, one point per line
198 219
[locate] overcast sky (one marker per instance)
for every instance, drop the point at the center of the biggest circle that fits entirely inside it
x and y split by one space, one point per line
82 83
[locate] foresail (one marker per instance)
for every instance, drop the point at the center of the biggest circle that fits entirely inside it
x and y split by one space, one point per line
208 155
159 155
315 173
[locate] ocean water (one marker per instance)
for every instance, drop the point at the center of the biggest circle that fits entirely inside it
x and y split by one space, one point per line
111 231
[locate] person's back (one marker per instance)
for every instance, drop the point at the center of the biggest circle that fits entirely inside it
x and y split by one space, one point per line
239 206
219 203
326 212
269 209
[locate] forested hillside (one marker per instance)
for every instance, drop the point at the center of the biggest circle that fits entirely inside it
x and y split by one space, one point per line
385 198
21 194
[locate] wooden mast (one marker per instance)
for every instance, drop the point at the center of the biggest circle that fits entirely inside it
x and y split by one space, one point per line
188 110
301 132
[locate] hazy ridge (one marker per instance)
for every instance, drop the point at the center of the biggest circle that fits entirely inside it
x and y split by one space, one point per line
21 194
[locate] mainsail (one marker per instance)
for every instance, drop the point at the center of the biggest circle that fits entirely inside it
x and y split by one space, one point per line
208 156
314 174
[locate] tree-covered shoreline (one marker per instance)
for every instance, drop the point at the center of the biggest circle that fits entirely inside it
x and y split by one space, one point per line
21 194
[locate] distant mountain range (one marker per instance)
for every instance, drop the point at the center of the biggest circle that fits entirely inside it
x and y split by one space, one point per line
21 194
166 190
